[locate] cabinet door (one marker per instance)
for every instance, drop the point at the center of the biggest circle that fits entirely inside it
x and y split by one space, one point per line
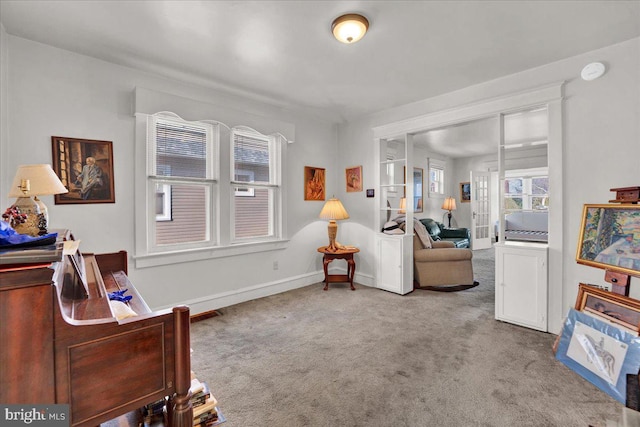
394 264
26 352
521 286
389 264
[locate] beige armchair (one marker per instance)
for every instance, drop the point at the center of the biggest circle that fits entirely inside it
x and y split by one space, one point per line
442 267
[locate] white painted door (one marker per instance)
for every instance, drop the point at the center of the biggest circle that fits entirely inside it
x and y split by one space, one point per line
480 210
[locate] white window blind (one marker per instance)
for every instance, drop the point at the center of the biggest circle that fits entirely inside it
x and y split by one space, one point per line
256 190
182 166
181 149
188 212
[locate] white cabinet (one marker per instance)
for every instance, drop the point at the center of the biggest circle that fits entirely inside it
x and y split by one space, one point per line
521 284
394 269
394 253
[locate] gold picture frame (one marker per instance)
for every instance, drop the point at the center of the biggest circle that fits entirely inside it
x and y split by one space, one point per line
613 307
465 192
85 167
610 238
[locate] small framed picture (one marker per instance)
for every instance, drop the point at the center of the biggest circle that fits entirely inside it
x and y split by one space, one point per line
613 307
314 183
370 192
354 179
465 192
85 167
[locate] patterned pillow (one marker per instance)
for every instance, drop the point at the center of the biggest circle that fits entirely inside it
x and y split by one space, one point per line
391 227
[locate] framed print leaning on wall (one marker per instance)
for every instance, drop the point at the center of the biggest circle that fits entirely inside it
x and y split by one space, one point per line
601 353
612 307
85 167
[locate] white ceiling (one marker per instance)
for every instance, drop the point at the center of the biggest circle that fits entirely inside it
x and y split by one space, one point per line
283 52
480 137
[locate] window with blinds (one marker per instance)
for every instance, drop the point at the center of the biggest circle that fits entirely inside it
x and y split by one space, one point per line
181 177
255 184
189 212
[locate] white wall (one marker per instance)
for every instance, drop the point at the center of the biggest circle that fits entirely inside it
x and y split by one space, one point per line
47 91
50 92
601 139
4 110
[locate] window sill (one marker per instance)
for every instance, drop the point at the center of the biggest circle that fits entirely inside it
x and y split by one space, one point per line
200 254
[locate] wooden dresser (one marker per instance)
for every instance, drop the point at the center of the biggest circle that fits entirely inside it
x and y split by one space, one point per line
60 342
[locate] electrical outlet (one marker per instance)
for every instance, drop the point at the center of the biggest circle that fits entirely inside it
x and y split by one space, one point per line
275 265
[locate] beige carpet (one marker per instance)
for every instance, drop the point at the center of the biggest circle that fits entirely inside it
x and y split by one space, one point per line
374 358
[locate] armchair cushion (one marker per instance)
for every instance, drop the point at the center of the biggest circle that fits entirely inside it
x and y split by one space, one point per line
420 231
443 267
461 237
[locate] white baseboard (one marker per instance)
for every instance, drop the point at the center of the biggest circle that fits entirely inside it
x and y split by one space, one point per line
226 299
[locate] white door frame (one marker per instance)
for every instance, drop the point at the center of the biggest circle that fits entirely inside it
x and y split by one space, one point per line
551 96
481 229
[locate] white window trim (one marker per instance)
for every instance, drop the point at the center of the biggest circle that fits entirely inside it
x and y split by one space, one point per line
526 175
276 204
144 258
242 190
166 204
440 165
210 182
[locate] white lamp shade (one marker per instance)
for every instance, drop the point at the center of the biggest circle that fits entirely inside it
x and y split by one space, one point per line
449 204
403 205
333 210
42 180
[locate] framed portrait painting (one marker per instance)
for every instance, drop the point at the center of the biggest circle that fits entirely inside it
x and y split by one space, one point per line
354 179
314 183
85 167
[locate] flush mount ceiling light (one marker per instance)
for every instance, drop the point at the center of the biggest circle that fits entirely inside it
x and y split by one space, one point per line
349 28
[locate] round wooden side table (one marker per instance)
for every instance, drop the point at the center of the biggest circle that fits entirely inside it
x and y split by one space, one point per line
346 254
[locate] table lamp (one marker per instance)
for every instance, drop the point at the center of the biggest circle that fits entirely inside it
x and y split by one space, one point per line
449 205
33 180
333 210
403 206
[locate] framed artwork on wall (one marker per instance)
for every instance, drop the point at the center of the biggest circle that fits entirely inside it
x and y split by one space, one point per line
85 167
354 179
314 183
465 192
